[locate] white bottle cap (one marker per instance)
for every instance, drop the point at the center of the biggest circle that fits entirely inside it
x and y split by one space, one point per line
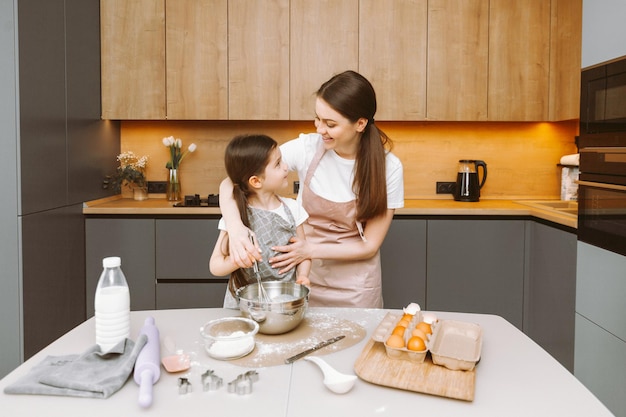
111 262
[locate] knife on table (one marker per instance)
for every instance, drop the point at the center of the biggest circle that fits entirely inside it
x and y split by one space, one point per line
314 348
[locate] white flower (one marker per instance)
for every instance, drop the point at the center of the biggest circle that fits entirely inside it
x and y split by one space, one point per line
168 141
176 156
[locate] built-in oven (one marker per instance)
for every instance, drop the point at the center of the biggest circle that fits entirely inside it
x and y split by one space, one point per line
602 197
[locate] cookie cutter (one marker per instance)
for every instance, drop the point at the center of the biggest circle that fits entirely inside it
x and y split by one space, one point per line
184 386
210 381
242 385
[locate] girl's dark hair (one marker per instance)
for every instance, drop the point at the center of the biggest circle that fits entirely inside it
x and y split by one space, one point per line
245 156
352 95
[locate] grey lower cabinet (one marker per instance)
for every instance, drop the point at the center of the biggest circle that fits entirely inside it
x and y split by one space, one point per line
519 269
403 263
183 251
476 266
549 307
132 240
165 261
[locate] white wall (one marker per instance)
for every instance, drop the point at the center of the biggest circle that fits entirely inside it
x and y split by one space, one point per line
10 295
604 31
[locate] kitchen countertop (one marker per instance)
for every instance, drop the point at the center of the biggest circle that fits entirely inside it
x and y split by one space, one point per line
515 377
160 206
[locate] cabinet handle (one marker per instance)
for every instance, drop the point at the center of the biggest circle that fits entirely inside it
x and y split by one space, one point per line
602 185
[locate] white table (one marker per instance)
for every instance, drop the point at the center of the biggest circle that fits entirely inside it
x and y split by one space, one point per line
515 377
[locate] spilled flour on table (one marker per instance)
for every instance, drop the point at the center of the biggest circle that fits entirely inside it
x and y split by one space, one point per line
272 350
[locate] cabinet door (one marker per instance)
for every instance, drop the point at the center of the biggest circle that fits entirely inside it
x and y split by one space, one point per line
551 291
53 275
565 59
392 55
258 59
458 49
133 241
133 59
184 247
476 266
197 59
42 104
403 261
519 60
323 42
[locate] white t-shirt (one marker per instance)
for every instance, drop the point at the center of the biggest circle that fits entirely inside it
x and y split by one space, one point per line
297 211
333 177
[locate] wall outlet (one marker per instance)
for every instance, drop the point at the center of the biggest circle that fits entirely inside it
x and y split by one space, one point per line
157 187
445 187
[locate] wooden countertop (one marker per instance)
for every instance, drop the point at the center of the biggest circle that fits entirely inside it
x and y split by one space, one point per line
157 205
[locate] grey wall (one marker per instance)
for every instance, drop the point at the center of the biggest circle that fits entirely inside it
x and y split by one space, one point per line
604 31
10 325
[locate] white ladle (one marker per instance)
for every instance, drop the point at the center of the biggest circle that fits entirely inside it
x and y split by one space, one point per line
334 380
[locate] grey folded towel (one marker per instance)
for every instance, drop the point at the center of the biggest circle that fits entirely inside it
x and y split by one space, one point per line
93 374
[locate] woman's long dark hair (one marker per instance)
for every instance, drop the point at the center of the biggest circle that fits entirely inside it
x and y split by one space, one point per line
352 95
245 156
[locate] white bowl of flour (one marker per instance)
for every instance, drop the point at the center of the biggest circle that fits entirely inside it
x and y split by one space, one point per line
229 337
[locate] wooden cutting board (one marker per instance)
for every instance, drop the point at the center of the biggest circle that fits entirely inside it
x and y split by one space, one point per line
373 365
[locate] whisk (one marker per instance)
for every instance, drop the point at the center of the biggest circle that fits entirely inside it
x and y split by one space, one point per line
263 297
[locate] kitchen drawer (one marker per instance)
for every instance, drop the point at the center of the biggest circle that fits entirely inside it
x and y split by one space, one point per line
190 295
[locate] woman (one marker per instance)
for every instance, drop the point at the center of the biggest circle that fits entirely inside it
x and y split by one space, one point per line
350 186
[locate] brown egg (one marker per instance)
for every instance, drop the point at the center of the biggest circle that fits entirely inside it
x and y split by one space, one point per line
395 341
416 344
419 333
404 323
425 327
399 330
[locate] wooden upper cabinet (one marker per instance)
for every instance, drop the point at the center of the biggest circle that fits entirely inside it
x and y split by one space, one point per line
196 42
258 61
458 49
133 59
565 59
519 60
324 41
392 55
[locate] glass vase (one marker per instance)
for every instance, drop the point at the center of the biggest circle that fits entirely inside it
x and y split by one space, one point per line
172 190
140 193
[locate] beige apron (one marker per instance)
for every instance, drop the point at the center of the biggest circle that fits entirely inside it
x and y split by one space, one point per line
338 283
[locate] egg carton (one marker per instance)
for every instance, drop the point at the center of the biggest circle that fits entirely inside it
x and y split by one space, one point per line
384 330
456 344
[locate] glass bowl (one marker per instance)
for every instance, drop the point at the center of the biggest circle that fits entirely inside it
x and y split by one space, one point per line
229 337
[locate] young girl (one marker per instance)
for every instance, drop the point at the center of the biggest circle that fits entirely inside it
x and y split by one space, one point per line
254 165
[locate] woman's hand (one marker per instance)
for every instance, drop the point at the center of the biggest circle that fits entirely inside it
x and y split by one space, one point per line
290 255
242 246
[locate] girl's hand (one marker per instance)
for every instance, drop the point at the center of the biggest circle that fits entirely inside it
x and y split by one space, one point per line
290 255
243 251
302 280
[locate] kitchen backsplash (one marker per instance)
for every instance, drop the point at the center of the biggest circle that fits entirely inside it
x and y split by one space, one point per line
522 158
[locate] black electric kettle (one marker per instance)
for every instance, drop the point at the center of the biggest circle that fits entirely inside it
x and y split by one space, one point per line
467 184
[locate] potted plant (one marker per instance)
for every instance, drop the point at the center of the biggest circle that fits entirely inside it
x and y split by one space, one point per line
132 174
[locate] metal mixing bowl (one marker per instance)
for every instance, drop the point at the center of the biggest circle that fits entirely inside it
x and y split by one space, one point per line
289 302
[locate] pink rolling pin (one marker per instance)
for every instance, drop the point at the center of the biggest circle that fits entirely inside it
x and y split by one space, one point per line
148 364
